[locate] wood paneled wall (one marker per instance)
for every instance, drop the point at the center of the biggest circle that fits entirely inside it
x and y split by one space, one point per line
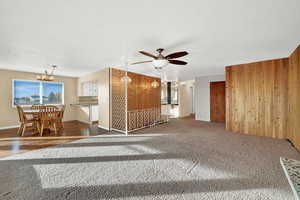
256 98
263 98
141 95
293 124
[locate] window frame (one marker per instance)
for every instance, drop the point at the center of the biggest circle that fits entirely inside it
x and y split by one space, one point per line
40 92
174 86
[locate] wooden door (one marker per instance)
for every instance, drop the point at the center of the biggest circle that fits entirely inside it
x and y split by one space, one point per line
217 101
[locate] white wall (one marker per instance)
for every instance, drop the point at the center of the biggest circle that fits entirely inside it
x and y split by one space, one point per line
102 110
202 96
185 98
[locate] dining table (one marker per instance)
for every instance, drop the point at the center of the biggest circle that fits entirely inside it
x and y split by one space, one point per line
35 113
32 112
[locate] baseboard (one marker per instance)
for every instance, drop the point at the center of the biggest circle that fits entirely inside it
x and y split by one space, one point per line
85 122
118 130
203 119
105 128
9 127
17 126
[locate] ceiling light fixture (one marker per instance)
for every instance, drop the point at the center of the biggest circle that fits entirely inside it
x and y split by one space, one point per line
155 84
160 63
126 79
47 76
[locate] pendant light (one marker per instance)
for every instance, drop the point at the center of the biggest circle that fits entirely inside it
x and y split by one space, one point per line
155 84
47 76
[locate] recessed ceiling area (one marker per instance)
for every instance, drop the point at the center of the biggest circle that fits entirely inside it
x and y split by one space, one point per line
85 36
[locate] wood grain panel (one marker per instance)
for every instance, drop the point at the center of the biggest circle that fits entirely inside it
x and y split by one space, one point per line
217 101
256 96
141 95
294 98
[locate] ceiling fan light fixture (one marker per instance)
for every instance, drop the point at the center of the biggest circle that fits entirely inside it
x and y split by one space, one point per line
160 63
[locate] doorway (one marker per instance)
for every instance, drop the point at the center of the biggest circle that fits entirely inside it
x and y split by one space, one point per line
217 101
192 100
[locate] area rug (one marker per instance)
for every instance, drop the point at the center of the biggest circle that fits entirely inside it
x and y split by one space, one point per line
160 163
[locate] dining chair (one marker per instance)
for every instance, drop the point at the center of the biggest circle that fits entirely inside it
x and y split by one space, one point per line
27 121
61 116
49 118
51 108
37 106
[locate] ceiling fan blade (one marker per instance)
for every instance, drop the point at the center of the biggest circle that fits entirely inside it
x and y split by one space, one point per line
135 63
177 55
148 54
177 62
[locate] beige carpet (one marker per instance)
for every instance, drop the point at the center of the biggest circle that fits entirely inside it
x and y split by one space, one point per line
185 159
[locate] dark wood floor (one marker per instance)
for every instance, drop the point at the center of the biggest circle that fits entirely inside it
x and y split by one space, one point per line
11 143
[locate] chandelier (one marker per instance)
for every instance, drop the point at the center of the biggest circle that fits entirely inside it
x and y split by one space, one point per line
126 79
47 76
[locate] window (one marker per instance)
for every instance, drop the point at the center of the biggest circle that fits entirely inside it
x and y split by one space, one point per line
26 92
169 93
52 93
174 93
164 93
37 92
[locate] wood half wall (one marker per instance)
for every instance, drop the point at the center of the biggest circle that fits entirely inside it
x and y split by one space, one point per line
262 98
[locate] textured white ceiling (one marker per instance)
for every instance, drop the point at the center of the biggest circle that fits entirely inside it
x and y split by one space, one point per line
83 36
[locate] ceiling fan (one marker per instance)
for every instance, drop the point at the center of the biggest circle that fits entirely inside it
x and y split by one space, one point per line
161 61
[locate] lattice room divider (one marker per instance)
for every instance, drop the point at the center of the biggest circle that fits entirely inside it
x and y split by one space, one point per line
135 105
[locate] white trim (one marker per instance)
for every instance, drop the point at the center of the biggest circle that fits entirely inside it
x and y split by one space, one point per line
9 127
85 122
105 128
110 98
148 126
126 103
17 126
113 129
138 129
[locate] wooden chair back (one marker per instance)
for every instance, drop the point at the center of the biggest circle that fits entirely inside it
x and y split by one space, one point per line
52 108
27 120
21 114
37 106
62 109
49 112
49 115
